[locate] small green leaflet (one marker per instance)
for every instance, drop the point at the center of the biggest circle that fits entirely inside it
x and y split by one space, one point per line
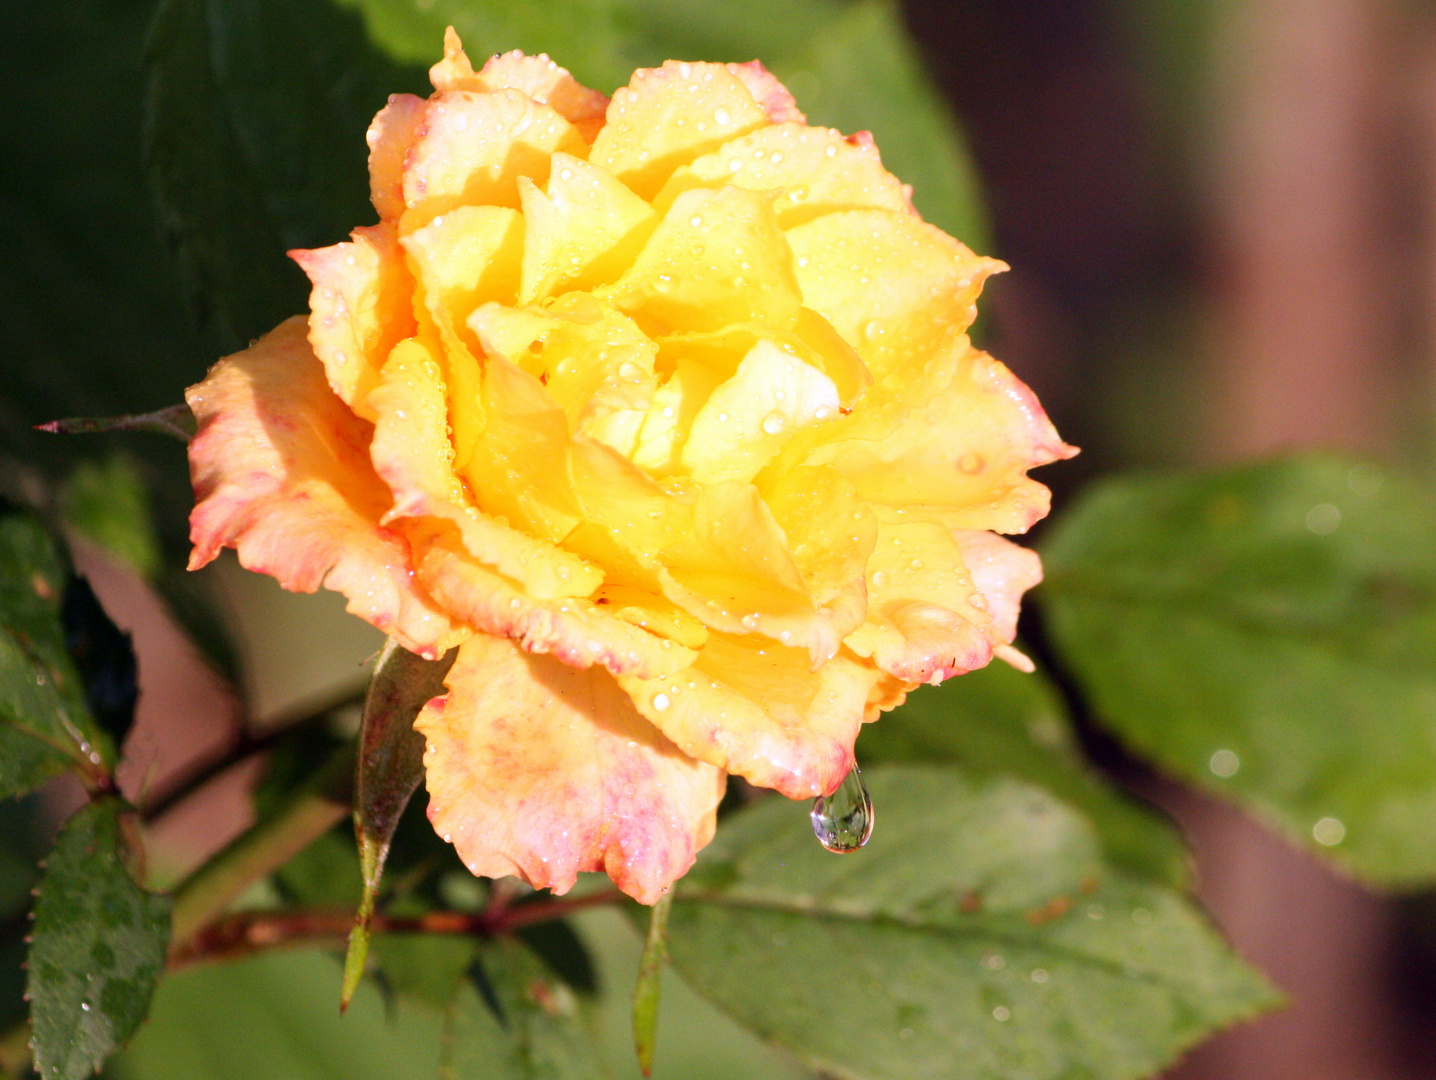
97 949
45 727
977 935
1269 633
390 766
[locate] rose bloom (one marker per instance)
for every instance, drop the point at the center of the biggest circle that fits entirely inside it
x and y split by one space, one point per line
662 411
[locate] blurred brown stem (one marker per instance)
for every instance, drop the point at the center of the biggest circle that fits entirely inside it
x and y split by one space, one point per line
253 931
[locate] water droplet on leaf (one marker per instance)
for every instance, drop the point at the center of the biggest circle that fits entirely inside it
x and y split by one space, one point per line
843 821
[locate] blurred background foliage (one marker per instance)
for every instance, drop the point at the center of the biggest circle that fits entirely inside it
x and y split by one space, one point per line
1220 217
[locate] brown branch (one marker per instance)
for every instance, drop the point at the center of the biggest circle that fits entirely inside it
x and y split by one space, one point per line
249 932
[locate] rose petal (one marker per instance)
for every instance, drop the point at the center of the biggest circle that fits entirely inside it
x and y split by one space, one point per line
472 149
926 619
831 531
412 454
281 473
1002 572
360 307
574 631
540 771
393 131
665 117
815 171
960 455
771 95
716 258
536 76
584 231
896 288
755 708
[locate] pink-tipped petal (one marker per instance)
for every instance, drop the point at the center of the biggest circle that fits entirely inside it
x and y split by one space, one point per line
543 772
281 474
771 95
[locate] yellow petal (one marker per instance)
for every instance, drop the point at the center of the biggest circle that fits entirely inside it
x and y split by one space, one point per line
814 171
926 620
361 305
670 415
537 77
749 418
831 531
665 117
412 454
393 131
896 288
754 708
472 149
716 258
543 772
960 455
584 231
1002 572
281 473
575 631
520 468
771 95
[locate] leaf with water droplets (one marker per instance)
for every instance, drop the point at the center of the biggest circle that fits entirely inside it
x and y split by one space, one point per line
390 766
45 726
979 934
1268 633
1003 722
97 949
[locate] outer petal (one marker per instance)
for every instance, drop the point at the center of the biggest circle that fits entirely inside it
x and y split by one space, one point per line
927 619
1002 572
960 455
665 117
540 771
393 131
896 288
472 148
754 708
771 95
816 171
281 473
536 76
361 306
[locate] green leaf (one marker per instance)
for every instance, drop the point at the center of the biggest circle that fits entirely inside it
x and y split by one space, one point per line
1269 633
512 1020
390 766
428 968
1003 722
45 727
976 935
650 980
108 503
257 114
97 950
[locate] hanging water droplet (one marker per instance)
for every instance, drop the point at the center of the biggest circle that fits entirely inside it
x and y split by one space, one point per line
843 821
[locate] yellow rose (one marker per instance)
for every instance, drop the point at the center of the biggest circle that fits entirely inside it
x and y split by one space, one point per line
660 410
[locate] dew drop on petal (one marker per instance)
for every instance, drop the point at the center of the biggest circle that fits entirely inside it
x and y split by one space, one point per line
843 821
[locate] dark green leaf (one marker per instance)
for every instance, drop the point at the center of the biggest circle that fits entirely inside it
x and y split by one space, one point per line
1003 722
429 968
513 1021
108 503
45 726
976 935
390 766
257 114
97 950
560 947
650 980
1270 633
